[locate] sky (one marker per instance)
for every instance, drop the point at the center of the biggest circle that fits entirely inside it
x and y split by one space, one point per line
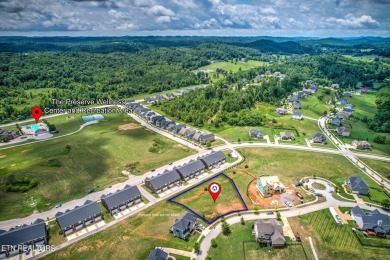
319 18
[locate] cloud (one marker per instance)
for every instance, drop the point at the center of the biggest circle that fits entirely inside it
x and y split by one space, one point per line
336 17
350 21
159 10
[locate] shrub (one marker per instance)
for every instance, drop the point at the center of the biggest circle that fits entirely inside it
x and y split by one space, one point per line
380 139
214 243
226 228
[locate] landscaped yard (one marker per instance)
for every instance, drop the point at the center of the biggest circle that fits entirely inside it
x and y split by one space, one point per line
94 158
132 238
318 186
235 133
332 240
199 200
291 166
359 131
313 107
241 244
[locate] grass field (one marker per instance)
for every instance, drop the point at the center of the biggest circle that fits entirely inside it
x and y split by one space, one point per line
200 201
241 244
291 166
318 186
332 240
312 106
230 66
235 133
98 155
364 105
132 238
383 168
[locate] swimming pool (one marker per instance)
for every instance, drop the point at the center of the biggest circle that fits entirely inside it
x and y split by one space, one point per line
34 127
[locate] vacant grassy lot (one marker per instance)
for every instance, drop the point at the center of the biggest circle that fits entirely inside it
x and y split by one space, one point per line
332 240
132 238
383 168
291 166
200 201
241 244
96 158
230 66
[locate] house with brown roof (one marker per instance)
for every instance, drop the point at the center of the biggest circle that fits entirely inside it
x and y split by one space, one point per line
269 233
361 145
286 136
343 131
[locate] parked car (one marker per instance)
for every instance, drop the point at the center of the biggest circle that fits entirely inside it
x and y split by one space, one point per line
318 194
171 163
153 170
90 191
330 184
270 213
58 205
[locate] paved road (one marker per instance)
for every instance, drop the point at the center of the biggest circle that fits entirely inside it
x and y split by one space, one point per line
352 156
217 230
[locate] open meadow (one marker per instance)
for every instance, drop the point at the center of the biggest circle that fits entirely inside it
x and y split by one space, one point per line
65 168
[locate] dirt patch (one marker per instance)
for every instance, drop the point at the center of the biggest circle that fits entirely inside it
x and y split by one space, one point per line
83 248
125 237
247 173
130 126
2 156
100 244
271 202
200 192
222 209
211 215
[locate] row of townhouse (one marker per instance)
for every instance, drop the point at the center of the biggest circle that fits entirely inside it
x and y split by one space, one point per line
169 179
162 122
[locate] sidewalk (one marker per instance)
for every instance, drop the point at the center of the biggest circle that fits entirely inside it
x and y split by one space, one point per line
179 252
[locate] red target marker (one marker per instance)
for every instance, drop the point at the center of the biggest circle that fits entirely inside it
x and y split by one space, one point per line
214 190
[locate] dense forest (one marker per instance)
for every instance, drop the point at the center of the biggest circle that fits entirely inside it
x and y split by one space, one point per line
381 121
119 68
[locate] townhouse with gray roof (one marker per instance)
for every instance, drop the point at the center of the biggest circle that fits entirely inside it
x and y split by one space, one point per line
190 170
371 221
189 133
213 159
177 128
121 199
80 217
16 240
196 136
357 185
206 137
184 225
163 181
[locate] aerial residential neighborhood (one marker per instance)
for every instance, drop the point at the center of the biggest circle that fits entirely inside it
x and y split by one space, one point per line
183 130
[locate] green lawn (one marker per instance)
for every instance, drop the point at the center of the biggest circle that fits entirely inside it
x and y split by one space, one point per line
364 105
133 237
98 155
235 133
200 201
383 168
318 186
241 244
360 131
291 166
332 240
314 107
230 66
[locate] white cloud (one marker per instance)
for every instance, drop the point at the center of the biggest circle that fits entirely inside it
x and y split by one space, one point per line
185 3
125 26
163 19
159 10
350 21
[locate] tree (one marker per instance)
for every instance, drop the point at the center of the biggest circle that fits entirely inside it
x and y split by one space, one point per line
68 148
239 140
208 144
256 209
226 228
214 243
242 221
385 203
278 216
196 246
380 139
